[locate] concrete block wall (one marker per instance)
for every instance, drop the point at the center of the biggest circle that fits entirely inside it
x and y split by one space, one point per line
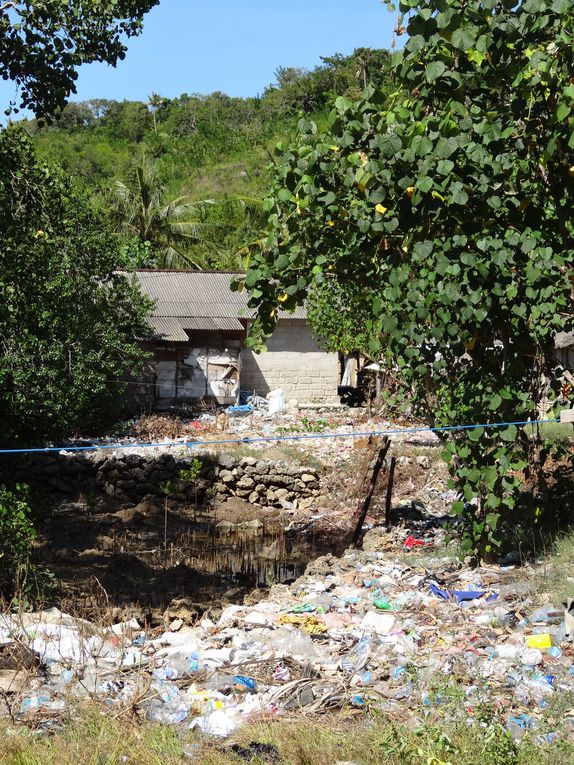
293 362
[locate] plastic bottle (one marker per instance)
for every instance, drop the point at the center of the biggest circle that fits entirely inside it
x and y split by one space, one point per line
356 659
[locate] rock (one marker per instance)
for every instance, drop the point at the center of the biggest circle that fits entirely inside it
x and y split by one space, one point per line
224 527
227 477
181 608
377 539
253 524
146 510
126 484
322 501
245 482
248 462
253 497
423 462
305 503
308 478
281 493
61 485
147 488
226 461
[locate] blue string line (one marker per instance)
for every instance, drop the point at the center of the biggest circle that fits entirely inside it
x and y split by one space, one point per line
267 439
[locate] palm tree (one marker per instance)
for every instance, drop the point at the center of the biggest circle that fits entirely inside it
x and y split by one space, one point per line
140 207
155 102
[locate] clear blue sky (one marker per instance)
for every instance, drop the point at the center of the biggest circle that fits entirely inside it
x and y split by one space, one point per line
198 46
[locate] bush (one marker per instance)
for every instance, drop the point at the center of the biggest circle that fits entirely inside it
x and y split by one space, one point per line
16 536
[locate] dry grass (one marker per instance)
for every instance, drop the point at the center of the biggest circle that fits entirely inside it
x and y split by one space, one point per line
274 452
96 738
554 581
92 738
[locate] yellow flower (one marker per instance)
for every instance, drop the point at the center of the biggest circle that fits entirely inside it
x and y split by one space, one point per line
282 297
571 171
330 223
334 148
381 209
38 234
436 195
410 190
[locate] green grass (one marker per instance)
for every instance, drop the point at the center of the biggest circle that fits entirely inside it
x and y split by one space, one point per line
553 431
97 738
554 580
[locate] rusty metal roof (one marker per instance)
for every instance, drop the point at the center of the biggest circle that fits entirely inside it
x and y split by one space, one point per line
199 295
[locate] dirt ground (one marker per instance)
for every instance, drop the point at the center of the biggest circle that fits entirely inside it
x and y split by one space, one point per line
107 554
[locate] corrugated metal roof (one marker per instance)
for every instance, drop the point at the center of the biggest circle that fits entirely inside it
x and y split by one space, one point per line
216 324
199 294
168 329
564 340
176 328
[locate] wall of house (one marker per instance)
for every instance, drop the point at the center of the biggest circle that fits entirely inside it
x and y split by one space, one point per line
293 362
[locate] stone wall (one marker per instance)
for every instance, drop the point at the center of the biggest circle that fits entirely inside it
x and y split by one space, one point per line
130 476
295 363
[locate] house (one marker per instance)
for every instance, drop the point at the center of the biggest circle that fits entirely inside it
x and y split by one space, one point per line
199 329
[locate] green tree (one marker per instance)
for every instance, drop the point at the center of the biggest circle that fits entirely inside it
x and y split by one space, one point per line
69 325
43 43
141 208
443 213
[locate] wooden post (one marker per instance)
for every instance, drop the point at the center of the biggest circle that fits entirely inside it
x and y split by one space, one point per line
390 490
371 490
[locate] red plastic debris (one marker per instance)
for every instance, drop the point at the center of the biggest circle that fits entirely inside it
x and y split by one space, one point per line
411 542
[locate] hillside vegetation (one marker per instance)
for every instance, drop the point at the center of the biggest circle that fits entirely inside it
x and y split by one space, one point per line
197 147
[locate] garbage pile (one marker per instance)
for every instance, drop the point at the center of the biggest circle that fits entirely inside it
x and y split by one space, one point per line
360 631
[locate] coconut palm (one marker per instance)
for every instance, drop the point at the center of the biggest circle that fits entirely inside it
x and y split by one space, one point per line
141 207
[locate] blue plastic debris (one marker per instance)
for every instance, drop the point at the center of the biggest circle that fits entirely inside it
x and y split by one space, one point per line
459 596
240 410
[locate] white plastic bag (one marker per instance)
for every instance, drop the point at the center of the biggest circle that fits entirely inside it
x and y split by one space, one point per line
277 403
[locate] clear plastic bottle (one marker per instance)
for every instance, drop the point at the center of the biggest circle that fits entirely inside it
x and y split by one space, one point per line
356 659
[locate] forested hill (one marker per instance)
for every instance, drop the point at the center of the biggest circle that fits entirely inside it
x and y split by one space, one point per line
210 148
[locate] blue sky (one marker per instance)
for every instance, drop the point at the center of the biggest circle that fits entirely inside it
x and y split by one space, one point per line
198 46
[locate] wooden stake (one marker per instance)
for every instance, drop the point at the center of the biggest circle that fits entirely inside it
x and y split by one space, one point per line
390 490
371 490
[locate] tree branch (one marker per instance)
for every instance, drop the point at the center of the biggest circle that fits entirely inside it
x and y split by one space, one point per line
8 5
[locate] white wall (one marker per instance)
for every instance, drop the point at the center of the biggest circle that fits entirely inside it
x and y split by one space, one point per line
293 362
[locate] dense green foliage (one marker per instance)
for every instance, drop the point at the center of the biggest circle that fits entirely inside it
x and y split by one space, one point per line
16 536
68 325
42 44
210 147
166 227
440 219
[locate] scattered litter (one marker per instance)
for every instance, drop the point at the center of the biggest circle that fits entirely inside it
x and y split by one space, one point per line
359 632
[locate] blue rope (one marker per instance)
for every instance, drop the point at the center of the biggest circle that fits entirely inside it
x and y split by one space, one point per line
267 439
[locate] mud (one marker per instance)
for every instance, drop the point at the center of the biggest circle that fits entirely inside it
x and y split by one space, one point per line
103 559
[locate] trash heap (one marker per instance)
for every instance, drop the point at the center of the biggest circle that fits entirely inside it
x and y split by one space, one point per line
360 631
